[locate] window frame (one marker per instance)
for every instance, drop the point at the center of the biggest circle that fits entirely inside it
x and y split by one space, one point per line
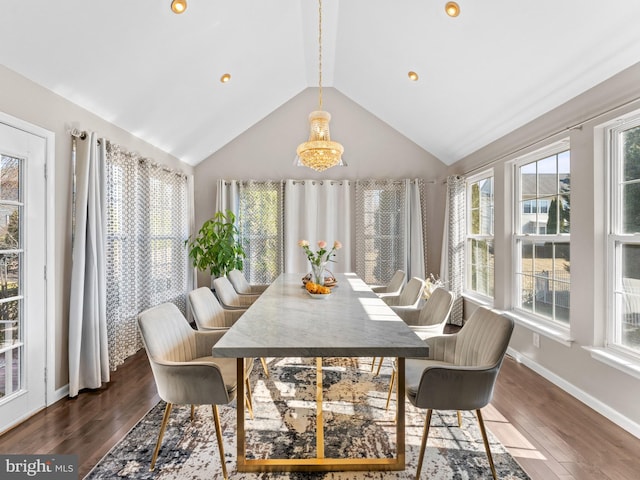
547 325
616 239
469 237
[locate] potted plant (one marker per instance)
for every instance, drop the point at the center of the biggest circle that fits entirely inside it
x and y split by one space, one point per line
216 246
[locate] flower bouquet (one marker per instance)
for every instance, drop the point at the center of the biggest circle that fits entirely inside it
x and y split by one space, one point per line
319 260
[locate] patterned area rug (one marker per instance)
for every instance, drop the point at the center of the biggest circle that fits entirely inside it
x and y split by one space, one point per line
356 425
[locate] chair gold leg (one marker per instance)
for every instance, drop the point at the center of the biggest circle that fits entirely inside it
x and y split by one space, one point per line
486 444
423 445
193 411
379 366
216 419
459 419
264 366
165 419
391 383
248 399
373 363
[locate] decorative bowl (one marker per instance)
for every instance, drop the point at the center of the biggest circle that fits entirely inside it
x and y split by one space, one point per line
319 296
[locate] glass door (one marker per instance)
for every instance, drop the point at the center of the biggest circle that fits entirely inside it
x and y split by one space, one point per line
22 284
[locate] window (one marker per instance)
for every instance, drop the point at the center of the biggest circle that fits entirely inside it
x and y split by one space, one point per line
624 236
379 222
388 229
479 245
147 263
535 206
542 267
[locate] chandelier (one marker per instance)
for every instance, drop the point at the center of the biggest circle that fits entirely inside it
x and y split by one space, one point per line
319 152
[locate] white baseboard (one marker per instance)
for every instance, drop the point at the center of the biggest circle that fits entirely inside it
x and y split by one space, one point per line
602 408
58 394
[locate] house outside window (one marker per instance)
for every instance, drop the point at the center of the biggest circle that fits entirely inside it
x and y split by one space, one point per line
479 249
542 235
623 331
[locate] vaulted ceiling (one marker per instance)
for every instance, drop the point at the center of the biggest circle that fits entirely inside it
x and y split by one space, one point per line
498 65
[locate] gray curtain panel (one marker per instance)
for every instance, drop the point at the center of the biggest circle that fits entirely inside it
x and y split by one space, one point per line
88 352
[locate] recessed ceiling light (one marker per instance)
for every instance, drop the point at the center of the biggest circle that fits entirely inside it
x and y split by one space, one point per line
225 78
452 9
413 76
178 6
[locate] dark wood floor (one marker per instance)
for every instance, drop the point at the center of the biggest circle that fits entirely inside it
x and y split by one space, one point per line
551 434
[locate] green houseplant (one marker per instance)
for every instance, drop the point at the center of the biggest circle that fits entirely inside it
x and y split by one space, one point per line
216 246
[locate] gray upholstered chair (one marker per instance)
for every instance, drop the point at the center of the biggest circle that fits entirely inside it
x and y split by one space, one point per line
393 287
460 372
240 284
426 322
409 296
209 314
183 368
432 317
228 295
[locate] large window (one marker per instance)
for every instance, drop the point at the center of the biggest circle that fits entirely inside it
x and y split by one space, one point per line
147 264
479 244
624 238
542 247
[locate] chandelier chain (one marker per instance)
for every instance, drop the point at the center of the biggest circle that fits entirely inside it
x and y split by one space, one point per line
319 152
320 54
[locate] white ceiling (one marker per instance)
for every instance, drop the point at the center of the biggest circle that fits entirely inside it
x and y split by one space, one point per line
498 65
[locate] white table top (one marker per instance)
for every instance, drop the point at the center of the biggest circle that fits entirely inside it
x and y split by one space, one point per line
285 321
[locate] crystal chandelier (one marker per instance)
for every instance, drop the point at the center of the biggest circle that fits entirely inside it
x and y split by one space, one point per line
319 152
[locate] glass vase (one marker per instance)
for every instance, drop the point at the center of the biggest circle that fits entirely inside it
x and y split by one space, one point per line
318 272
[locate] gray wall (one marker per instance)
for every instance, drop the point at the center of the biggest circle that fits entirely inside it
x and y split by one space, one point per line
28 101
606 389
372 150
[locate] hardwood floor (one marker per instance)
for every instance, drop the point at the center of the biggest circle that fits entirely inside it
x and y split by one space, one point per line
551 434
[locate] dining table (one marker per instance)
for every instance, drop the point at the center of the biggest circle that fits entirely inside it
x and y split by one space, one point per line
351 321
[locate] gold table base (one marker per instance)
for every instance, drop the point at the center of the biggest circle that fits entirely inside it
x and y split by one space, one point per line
321 463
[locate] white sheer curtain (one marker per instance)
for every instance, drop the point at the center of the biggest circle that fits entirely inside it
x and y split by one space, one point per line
88 343
452 264
318 210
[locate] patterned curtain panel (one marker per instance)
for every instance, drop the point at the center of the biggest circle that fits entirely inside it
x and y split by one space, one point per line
147 224
379 222
260 221
453 244
381 229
